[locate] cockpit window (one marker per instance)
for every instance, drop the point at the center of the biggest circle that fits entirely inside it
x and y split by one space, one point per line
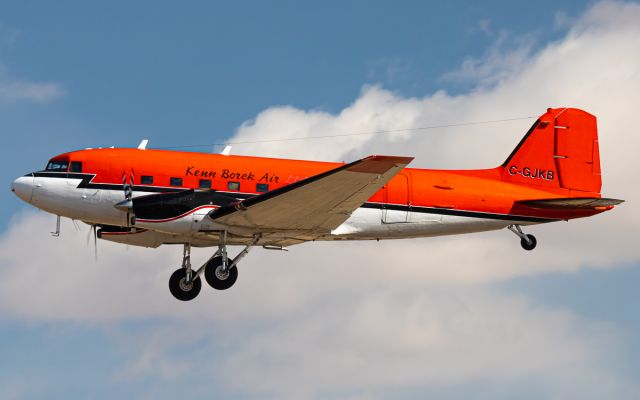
57 166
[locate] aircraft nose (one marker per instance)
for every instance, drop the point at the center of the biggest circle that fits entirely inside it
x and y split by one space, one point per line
23 188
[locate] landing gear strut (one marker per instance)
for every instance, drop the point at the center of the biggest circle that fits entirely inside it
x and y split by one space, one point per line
220 272
527 241
185 284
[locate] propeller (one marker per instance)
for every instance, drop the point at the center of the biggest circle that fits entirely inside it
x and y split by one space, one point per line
127 204
93 229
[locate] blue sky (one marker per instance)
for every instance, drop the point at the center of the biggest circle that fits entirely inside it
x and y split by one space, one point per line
156 70
459 317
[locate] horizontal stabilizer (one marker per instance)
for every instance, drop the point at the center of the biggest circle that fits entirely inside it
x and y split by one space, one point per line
570 203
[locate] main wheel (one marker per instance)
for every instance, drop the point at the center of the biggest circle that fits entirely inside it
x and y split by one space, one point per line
217 278
530 244
182 290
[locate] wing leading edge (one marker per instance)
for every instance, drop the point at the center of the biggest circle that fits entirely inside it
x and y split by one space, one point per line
314 206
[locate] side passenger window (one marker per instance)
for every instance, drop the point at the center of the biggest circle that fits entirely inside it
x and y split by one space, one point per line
76 166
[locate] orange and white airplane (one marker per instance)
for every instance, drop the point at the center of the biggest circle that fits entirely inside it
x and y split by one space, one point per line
152 197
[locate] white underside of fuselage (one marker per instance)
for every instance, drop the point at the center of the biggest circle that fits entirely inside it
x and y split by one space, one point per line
62 197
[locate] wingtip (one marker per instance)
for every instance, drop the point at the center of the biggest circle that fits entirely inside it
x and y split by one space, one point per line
379 164
394 159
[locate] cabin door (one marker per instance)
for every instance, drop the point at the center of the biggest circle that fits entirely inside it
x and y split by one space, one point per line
396 198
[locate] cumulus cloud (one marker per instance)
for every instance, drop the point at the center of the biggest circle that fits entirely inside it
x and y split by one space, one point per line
363 319
505 56
596 66
298 328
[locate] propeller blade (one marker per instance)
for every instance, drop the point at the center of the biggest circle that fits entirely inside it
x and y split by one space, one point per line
124 184
127 204
89 235
95 243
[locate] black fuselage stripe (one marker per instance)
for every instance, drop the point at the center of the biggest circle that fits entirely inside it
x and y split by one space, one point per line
86 184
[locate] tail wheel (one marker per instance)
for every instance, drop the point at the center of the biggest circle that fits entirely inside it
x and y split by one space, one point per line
216 277
529 243
182 290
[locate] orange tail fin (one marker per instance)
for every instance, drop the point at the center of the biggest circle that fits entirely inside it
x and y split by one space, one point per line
560 150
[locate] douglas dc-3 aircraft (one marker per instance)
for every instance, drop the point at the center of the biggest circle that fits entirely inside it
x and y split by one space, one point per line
152 197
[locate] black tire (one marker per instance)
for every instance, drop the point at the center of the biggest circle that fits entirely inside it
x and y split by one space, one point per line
529 245
181 291
217 280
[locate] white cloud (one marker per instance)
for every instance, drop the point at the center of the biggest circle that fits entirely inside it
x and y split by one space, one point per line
11 91
390 338
361 318
596 66
502 59
484 26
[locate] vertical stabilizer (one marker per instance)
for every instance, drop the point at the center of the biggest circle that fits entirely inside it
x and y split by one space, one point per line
560 150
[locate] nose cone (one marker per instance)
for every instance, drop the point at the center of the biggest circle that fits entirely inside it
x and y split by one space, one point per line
23 188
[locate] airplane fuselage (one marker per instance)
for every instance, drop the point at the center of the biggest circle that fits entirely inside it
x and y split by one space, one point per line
415 203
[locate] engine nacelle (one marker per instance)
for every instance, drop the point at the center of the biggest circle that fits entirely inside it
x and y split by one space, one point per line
181 213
